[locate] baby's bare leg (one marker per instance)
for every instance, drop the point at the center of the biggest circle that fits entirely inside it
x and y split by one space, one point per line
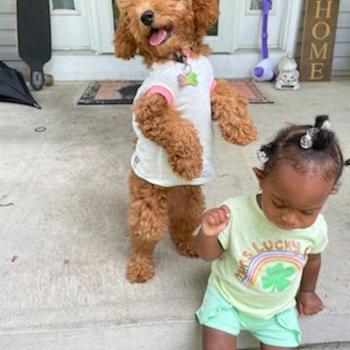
213 339
270 347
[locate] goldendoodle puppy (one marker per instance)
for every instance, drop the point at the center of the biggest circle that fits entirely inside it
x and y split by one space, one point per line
173 113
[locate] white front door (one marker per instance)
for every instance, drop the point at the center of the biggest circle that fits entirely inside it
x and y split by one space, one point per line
235 39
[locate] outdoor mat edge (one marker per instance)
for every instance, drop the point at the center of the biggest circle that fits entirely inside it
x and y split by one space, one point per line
128 90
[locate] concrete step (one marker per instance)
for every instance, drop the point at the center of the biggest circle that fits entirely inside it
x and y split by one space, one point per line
64 246
332 346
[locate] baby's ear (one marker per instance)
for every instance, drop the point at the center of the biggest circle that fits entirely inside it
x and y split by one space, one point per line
260 174
206 13
124 43
335 190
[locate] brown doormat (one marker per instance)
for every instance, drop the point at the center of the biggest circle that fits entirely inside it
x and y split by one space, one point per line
123 92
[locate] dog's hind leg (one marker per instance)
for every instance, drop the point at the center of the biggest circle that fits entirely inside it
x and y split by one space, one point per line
186 206
147 222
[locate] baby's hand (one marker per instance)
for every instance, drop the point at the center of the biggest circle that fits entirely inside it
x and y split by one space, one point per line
215 220
309 303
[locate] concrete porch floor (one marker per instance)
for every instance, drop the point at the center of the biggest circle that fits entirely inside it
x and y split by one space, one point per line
64 246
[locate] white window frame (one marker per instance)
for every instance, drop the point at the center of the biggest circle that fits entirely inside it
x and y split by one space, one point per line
66 12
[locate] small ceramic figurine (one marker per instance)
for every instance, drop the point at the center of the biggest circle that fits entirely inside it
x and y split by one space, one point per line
288 77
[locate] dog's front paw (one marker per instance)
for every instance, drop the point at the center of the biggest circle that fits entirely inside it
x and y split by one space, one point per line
140 271
187 167
185 158
239 131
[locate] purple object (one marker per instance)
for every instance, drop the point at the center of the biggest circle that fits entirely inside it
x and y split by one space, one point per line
266 7
258 72
263 71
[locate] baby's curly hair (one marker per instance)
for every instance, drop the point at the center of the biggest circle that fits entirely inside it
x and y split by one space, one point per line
308 149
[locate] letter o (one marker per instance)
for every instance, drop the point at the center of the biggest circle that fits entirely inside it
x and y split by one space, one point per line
316 27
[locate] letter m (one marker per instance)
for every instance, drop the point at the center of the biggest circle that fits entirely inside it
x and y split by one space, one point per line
317 54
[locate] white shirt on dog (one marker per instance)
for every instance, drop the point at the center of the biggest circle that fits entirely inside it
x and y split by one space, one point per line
150 161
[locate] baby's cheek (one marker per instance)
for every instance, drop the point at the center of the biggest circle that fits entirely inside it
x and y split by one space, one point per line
269 213
309 221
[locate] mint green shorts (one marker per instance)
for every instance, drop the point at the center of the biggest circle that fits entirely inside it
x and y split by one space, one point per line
281 330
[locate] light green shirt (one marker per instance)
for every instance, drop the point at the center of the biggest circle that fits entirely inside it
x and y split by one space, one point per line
261 267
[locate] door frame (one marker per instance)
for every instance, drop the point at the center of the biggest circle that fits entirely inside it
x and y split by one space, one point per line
102 25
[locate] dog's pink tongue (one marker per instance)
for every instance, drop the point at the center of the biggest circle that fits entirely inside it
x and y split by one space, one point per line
157 37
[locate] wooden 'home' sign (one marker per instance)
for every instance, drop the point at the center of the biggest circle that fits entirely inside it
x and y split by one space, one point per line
320 23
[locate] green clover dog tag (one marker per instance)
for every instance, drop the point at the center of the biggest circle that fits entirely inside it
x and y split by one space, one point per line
188 79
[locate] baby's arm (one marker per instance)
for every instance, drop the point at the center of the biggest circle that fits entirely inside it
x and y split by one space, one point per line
214 221
309 302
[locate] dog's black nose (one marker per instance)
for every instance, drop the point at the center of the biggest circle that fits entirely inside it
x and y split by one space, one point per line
147 18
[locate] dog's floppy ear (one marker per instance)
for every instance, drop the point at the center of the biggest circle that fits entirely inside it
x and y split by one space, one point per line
206 13
124 43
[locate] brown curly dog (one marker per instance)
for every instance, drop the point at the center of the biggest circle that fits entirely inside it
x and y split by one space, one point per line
173 113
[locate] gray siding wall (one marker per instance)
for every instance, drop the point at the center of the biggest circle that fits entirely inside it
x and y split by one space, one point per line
8 50
341 55
341 60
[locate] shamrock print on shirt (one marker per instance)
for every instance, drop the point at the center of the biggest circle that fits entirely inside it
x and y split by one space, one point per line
277 277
